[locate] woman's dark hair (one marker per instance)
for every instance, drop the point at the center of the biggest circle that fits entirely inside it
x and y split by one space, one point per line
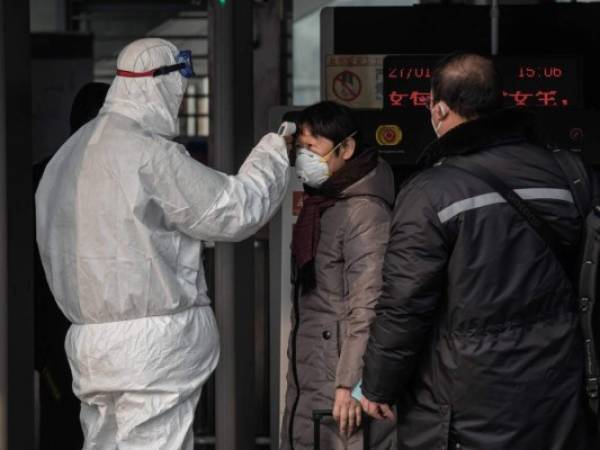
332 121
468 83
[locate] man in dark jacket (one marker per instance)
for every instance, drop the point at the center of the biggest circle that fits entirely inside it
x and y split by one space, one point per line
476 337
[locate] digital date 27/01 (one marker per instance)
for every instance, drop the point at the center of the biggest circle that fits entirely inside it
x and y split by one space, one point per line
409 73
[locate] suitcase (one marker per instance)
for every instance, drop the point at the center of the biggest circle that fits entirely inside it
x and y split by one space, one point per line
319 414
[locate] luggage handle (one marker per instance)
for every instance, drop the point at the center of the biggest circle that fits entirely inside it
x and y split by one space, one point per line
320 414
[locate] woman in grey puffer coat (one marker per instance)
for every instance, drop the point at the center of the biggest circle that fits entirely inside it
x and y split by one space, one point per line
339 244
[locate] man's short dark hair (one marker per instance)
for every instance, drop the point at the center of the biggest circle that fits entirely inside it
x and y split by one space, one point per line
332 121
468 83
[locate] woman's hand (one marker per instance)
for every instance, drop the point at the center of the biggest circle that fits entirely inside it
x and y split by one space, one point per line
346 411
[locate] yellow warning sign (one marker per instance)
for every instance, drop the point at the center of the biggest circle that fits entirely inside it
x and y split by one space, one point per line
386 135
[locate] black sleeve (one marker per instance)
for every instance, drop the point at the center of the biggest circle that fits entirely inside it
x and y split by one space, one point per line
413 282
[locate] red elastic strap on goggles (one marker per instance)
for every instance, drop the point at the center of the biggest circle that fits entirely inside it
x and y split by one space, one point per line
128 74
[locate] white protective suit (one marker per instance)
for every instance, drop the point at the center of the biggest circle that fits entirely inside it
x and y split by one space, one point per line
121 213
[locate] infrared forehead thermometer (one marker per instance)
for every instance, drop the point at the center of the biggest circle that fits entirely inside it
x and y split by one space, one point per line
286 129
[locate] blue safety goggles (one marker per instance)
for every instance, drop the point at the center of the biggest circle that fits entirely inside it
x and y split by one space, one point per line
184 65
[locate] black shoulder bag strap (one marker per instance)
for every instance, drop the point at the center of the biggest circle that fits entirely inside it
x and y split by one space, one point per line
580 186
576 174
587 305
512 198
587 279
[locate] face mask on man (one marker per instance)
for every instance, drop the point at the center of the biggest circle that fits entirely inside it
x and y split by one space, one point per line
312 168
436 128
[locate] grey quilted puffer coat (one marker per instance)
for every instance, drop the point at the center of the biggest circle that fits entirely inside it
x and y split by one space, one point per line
330 324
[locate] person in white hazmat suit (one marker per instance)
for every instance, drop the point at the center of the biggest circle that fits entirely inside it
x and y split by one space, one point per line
121 213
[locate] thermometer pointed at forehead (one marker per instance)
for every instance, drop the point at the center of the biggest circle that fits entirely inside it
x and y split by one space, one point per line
287 129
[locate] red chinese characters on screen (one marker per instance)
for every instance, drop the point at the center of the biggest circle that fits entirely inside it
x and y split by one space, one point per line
546 99
397 98
409 99
519 98
420 98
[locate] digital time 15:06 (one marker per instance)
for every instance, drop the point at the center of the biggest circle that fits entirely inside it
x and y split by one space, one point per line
540 72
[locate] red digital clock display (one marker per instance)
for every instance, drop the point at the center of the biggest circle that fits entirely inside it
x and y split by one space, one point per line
552 82
549 72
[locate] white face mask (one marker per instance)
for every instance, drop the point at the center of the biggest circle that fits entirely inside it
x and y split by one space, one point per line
311 168
436 128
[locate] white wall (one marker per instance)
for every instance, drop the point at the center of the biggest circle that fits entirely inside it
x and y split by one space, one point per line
47 15
306 40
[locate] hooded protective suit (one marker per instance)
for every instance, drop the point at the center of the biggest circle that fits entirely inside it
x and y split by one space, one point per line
121 213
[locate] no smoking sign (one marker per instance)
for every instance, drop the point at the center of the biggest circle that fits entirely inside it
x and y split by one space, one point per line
354 80
347 86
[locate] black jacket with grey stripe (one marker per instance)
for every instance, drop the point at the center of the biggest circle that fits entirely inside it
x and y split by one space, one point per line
476 336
